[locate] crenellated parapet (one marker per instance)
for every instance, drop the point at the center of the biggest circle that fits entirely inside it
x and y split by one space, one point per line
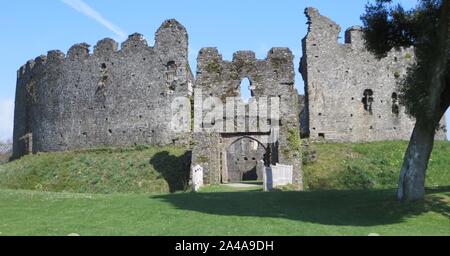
106 47
222 78
111 96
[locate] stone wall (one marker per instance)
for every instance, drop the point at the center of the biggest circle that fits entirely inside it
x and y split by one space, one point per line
122 97
110 97
351 96
269 78
243 156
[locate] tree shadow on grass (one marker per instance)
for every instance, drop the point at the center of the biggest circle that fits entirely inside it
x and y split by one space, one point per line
174 169
340 208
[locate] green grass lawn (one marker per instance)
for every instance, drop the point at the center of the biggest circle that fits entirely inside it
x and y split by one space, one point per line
141 169
351 190
150 169
224 211
373 165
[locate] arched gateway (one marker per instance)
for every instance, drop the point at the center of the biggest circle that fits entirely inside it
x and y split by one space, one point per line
269 132
240 158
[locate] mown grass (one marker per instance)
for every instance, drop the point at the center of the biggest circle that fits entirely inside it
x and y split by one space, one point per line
214 211
152 169
131 170
126 192
370 166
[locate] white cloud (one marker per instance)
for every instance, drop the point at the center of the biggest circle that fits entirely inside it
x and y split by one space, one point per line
6 119
84 8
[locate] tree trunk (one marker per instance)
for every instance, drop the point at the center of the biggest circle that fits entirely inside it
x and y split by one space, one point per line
411 185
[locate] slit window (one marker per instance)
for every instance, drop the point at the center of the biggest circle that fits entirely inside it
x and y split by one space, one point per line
395 105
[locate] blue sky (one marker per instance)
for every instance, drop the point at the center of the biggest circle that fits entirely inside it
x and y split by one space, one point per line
31 28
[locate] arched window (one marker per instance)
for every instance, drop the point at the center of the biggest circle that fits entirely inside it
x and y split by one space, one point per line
367 100
246 90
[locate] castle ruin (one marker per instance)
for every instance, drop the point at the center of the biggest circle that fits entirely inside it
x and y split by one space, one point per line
350 95
123 97
111 97
233 154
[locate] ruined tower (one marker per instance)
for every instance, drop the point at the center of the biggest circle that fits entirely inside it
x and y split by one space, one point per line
112 97
352 96
271 80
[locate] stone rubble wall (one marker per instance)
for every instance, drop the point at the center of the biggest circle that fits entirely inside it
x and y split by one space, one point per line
337 75
271 77
111 97
123 97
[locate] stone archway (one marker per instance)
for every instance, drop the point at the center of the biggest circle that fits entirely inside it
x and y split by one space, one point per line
241 156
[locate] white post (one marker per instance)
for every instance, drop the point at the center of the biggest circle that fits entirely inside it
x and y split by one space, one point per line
268 178
197 178
278 175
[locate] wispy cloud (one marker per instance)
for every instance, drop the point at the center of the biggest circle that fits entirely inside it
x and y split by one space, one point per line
6 119
84 8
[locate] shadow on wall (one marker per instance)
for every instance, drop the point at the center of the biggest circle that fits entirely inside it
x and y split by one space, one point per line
340 208
174 169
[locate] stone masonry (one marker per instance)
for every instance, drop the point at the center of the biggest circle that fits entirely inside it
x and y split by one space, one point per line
109 98
351 96
124 97
271 78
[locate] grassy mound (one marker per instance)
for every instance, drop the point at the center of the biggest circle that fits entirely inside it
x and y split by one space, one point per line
370 166
166 169
132 170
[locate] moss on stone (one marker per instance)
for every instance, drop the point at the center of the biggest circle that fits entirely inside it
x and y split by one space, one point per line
294 144
202 159
213 66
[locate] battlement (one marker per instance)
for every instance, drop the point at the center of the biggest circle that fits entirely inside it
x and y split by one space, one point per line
276 67
170 30
246 56
279 53
106 47
75 100
121 93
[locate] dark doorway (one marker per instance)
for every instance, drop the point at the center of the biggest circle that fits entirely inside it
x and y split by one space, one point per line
243 157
